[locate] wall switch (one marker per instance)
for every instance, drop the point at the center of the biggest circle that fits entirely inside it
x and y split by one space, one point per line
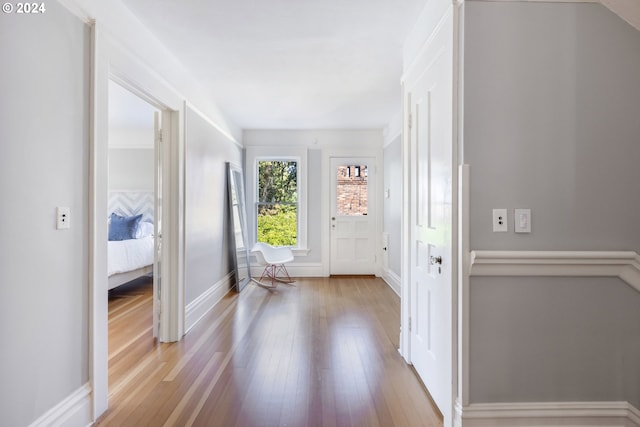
522 220
500 221
62 218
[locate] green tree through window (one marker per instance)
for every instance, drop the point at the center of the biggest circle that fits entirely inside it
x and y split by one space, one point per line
277 206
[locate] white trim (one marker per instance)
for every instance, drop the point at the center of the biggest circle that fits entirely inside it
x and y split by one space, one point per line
73 411
463 285
295 269
460 219
393 280
606 414
253 155
624 265
173 255
418 64
300 252
212 123
405 243
199 307
98 229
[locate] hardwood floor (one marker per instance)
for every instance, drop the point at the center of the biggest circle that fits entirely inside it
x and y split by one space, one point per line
320 353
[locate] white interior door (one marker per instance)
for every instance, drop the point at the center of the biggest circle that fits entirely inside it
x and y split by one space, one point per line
157 223
353 216
431 123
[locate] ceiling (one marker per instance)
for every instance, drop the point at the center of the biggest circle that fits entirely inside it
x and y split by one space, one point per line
290 64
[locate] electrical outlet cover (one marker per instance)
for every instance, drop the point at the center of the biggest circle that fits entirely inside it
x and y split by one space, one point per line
500 221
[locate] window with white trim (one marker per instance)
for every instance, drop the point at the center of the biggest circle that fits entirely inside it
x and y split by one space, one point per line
276 188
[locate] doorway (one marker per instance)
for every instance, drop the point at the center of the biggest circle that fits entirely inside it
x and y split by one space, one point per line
135 206
353 215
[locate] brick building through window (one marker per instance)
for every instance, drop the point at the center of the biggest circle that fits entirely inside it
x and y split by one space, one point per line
352 190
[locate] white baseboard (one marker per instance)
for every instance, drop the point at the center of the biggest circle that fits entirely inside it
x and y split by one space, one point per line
393 280
295 269
551 414
74 411
196 309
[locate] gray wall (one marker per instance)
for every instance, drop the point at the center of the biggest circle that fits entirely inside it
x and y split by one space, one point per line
552 123
393 205
131 169
544 339
44 157
206 212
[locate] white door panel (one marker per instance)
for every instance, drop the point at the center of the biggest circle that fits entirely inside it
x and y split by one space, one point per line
431 143
352 216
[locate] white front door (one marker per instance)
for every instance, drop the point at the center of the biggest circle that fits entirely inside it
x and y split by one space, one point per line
353 215
431 123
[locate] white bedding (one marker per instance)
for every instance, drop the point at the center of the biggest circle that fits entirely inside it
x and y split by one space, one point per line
127 255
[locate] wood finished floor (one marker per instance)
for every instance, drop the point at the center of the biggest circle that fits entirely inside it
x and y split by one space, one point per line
320 353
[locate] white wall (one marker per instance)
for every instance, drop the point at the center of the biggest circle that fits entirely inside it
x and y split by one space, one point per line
552 102
393 204
131 169
206 211
44 157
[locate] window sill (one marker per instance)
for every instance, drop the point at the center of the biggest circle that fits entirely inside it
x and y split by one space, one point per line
300 251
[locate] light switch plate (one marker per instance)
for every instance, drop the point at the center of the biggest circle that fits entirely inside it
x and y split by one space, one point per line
522 220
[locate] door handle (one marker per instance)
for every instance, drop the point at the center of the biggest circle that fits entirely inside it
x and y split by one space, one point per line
433 260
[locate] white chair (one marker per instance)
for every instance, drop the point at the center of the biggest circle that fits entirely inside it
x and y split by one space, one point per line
273 258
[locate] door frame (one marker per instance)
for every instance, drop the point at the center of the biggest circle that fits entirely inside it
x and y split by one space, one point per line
327 155
109 61
460 226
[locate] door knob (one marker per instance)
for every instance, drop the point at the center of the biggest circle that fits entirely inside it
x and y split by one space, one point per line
435 260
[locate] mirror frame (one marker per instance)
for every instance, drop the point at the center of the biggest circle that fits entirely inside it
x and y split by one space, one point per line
238 237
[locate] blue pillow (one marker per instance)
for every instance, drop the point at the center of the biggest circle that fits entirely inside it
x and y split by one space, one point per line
123 228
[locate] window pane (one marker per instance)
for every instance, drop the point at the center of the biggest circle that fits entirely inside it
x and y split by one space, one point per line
277 181
278 224
352 190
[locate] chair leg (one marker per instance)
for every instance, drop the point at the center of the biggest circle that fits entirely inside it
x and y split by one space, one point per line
277 273
269 271
283 274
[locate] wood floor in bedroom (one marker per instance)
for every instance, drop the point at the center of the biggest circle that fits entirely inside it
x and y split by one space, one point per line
320 353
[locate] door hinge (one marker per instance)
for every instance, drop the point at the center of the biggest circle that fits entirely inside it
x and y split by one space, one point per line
409 324
159 135
410 120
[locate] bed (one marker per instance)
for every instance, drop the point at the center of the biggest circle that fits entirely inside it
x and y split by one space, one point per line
131 242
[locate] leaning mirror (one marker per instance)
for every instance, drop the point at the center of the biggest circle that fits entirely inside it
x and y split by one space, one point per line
238 226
